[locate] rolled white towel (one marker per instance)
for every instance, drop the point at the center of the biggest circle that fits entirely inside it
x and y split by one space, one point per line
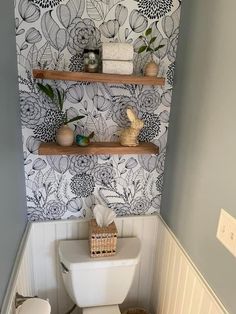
117 67
117 51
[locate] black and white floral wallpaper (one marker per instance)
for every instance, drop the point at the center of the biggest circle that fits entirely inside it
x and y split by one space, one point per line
52 34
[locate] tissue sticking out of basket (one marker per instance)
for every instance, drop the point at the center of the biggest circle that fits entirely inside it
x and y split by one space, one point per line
104 216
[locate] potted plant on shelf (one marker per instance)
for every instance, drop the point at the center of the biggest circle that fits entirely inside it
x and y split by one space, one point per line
151 68
64 135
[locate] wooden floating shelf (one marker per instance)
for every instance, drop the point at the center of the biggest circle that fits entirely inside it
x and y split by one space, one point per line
99 148
97 77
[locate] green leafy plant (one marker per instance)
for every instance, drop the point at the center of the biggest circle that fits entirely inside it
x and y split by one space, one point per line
57 97
149 42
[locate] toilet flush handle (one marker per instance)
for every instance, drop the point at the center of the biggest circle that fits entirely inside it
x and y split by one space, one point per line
64 269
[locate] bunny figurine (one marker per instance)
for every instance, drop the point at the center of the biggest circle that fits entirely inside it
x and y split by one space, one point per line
129 136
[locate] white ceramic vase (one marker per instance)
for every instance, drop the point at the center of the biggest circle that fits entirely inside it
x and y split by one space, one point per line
65 136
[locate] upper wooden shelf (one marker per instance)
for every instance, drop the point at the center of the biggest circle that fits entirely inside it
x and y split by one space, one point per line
98 148
97 77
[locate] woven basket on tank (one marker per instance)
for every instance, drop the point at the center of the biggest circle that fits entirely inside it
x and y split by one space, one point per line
102 240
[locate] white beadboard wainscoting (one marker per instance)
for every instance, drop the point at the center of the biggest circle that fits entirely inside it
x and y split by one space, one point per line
178 287
21 280
41 270
166 282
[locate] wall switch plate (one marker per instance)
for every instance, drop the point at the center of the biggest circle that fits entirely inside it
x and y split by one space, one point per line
226 232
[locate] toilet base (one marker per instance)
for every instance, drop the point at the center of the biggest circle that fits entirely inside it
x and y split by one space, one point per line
109 309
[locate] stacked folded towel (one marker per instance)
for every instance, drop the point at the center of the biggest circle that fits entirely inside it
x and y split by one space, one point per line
117 58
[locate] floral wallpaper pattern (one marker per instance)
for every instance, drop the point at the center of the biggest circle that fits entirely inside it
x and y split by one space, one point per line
52 34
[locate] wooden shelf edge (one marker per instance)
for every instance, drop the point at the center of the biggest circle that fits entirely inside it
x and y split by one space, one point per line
98 148
97 77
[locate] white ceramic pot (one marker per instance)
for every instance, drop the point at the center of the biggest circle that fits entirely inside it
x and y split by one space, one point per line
65 136
151 69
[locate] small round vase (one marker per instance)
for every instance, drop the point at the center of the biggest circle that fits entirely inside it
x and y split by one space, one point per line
65 136
151 69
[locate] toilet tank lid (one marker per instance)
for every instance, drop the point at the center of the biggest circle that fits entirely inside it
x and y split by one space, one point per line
74 254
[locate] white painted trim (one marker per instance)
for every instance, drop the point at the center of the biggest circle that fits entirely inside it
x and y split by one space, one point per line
11 289
66 221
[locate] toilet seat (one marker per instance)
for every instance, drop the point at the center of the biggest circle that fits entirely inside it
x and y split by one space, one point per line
112 309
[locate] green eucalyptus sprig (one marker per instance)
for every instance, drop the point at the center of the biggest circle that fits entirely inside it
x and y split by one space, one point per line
149 42
57 97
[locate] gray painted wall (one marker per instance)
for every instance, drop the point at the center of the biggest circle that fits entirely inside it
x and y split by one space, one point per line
201 154
12 190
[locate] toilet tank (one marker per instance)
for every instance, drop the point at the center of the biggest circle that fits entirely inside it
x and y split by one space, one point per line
98 281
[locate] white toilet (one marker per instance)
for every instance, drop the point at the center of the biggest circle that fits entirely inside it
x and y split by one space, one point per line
98 285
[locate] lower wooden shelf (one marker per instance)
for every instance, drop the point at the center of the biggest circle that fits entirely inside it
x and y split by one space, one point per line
98 148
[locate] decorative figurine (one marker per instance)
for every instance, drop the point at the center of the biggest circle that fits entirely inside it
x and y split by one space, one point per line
92 63
129 136
83 140
91 60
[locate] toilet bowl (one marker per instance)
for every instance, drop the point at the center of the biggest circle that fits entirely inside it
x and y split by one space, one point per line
98 285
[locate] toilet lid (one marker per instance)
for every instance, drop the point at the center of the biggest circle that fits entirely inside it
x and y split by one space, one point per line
34 305
113 309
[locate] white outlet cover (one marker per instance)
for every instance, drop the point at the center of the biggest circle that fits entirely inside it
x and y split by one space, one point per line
226 231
